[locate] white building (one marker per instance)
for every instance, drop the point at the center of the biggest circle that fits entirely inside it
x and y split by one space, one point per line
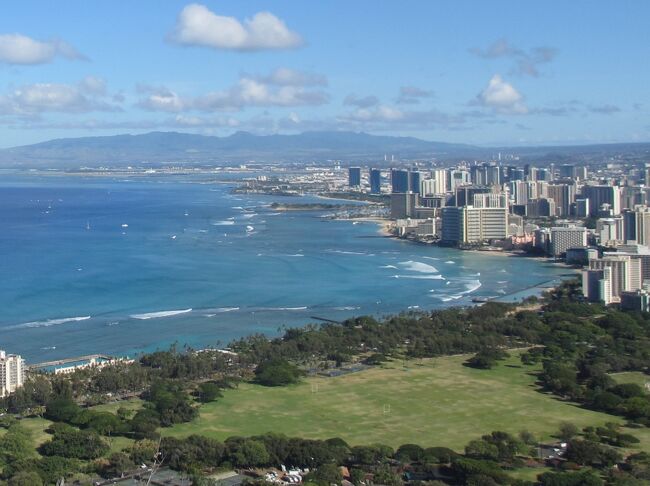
12 373
484 221
610 231
437 184
564 238
615 274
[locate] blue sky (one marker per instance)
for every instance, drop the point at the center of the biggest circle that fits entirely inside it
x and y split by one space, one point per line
487 73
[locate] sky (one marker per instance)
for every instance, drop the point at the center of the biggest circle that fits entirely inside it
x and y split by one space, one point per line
477 72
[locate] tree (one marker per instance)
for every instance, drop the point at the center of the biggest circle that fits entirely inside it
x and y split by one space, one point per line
248 453
527 437
208 392
277 372
15 444
481 449
385 475
486 358
409 453
118 464
438 455
72 443
143 451
586 478
357 476
171 402
62 409
26 478
326 475
567 431
144 424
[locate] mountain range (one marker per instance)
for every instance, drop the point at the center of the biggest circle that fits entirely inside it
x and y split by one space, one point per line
184 148
163 148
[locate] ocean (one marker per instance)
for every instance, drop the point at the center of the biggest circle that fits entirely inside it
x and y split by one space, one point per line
120 266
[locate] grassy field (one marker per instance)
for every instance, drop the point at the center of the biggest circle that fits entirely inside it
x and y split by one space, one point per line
429 402
636 377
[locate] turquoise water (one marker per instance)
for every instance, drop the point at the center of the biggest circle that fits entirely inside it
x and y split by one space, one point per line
98 265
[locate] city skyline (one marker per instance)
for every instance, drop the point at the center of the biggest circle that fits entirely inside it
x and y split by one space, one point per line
457 72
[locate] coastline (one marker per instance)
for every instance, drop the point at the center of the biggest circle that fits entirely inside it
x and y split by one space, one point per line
383 230
385 225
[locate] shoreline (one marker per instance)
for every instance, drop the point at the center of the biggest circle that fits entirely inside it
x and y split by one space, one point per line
384 226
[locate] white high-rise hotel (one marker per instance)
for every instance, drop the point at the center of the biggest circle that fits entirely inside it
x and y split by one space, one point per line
12 373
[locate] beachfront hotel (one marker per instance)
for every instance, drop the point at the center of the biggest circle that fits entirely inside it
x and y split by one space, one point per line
12 373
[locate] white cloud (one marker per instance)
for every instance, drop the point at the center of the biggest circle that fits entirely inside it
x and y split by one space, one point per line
361 102
20 49
381 113
199 26
412 95
502 97
524 62
291 77
248 92
385 117
84 97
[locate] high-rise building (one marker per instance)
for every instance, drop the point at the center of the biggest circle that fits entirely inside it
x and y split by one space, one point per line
540 208
564 238
12 373
493 175
375 181
354 176
414 182
597 285
485 221
564 195
439 176
581 207
490 200
642 225
402 205
457 178
479 175
465 194
400 180
610 230
567 171
638 252
625 274
600 195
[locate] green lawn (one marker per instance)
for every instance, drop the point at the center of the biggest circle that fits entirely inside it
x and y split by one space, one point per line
631 377
36 427
112 407
430 402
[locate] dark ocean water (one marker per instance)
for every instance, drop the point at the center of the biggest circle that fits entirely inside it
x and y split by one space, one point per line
98 265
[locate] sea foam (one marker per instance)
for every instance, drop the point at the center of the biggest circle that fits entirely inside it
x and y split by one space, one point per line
419 267
158 314
48 322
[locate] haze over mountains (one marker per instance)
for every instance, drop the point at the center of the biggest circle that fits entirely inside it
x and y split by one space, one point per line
183 148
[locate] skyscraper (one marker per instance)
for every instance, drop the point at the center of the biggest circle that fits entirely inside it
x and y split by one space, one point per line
12 373
354 176
414 182
599 195
375 181
564 195
399 180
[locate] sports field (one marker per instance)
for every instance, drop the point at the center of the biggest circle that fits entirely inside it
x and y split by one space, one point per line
428 402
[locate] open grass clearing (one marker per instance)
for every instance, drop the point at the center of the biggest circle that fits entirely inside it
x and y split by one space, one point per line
431 402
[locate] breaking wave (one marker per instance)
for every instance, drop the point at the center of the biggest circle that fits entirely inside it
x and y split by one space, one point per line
158 314
48 322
